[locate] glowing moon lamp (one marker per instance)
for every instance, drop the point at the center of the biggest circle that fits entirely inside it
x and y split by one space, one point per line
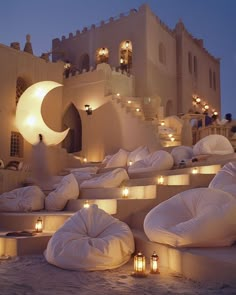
29 120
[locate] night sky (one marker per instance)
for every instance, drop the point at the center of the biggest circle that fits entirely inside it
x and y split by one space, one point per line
214 21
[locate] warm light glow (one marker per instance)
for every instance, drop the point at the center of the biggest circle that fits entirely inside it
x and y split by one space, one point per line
118 94
125 192
29 120
86 204
121 60
206 106
127 44
172 139
154 264
85 160
129 101
162 123
195 170
130 163
137 110
198 100
139 264
39 225
215 113
160 180
170 135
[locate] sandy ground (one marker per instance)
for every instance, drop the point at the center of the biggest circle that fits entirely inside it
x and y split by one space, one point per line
33 275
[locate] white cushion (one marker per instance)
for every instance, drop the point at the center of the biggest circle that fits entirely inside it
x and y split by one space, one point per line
213 145
91 240
29 198
109 179
200 217
157 161
138 154
67 189
181 153
225 179
118 160
89 169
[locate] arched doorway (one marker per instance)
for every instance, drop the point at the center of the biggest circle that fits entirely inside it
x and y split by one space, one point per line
169 108
126 55
71 119
102 55
84 62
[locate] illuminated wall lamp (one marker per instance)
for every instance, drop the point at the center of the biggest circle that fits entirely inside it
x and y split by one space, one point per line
195 170
88 109
160 180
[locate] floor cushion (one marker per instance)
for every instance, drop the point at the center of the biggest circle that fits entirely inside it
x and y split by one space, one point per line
118 160
29 198
225 179
66 190
112 178
137 154
213 144
91 240
201 217
156 161
181 153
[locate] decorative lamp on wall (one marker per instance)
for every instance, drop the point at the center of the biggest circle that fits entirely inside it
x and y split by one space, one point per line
88 109
139 265
39 225
154 263
125 193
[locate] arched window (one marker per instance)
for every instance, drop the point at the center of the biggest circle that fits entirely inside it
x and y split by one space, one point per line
84 62
21 86
162 54
195 66
190 62
102 55
126 55
210 78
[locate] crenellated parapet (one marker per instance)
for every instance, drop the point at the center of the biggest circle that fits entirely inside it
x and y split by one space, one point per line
120 17
180 27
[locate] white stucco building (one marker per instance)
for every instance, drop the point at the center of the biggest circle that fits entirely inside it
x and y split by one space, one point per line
127 69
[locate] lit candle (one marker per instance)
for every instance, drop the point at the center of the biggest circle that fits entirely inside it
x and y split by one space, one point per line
39 225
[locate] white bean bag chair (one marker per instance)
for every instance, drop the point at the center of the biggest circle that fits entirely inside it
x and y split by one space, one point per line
225 179
112 178
118 160
157 161
138 154
200 217
66 190
213 145
89 169
181 153
29 198
91 240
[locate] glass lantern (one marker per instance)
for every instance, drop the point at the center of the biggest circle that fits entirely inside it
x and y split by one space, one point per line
39 225
139 265
154 264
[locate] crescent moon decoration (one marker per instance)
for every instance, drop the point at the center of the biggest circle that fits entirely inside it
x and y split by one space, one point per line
29 120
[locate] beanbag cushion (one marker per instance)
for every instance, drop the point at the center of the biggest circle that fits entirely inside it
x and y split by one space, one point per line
66 189
157 161
181 153
225 179
213 145
29 198
109 179
200 217
118 160
137 154
91 240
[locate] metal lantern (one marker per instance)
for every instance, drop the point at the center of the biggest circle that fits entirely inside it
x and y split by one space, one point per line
39 225
139 265
154 264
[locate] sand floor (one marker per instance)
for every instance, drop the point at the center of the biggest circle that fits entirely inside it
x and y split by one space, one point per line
33 275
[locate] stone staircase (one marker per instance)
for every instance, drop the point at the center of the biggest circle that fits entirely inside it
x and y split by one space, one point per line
145 192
